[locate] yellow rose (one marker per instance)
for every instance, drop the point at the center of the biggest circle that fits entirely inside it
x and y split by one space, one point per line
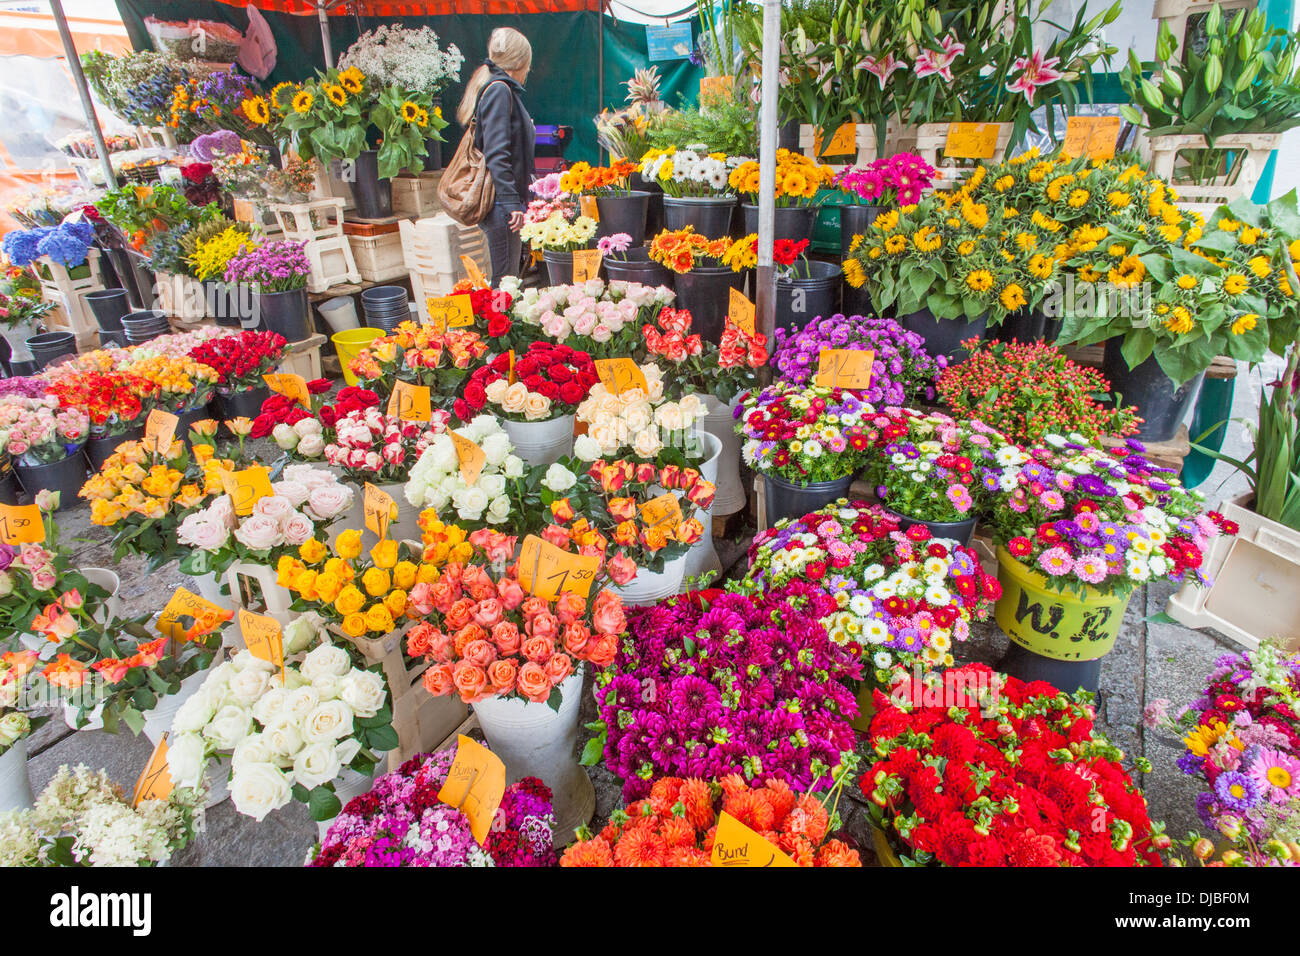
305 584
339 568
396 602
378 619
384 554
327 586
375 581
461 553
312 551
349 601
404 575
428 574
286 570
354 625
348 544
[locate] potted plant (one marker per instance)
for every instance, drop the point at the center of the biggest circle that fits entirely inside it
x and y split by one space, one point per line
21 310
625 262
240 361
898 180
645 426
44 440
275 273
805 461
621 208
421 355
804 287
706 272
555 237
798 180
600 318
208 249
697 193
177 384
15 726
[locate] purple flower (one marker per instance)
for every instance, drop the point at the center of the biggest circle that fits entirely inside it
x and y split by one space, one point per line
1236 791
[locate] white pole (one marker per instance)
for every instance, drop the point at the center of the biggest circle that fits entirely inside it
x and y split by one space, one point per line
324 18
83 92
765 280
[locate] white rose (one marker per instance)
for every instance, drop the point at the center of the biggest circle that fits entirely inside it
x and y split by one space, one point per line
691 406
586 448
242 660
257 789
295 491
669 417
270 706
492 485
470 503
326 659
647 444
228 726
537 407
274 506
259 533
496 391
193 715
498 510
200 530
284 436
246 687
252 749
185 757
496 448
307 426
606 436
364 692
301 632
283 738
331 721
296 529
301 702
559 479
638 417
327 501
316 764
347 750
513 467
311 446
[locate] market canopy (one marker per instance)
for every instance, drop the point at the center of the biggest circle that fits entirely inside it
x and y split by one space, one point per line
377 8
34 34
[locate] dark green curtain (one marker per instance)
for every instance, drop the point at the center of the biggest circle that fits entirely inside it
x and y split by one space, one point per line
563 89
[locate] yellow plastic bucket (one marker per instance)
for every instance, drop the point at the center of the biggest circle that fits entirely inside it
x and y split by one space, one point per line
1059 625
349 344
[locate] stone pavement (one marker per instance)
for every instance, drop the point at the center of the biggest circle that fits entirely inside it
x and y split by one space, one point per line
1151 660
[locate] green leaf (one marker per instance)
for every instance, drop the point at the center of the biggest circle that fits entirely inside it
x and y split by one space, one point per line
133 719
323 804
382 738
593 751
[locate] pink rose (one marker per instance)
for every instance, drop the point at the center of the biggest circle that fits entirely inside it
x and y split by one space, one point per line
506 637
510 592
44 578
296 529
274 506
480 652
489 613
607 615
327 501
621 568
544 625
420 599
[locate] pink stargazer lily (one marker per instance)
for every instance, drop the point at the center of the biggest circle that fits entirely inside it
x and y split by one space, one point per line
1036 72
881 69
930 61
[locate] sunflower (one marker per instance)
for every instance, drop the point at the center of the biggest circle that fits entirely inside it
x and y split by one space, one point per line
410 111
875 252
1235 283
1118 199
1249 235
981 280
1013 297
423 119
856 241
1040 266
895 244
1245 323
1180 321
886 221
854 274
1088 274
1003 183
925 240
1078 197
277 95
965 247
1260 266
352 79
1186 281
255 108
337 95
977 214
302 101
1128 273
1170 233
1229 225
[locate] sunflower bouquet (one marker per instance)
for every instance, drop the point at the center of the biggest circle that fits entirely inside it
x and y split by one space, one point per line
798 179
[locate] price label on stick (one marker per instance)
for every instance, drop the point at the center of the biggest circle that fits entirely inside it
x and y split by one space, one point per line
291 386
246 488
663 510
380 509
155 781
586 265
712 87
844 368
735 844
450 311
263 637
620 375
548 572
588 207
188 613
971 141
741 312
410 402
475 274
1091 136
21 524
476 781
471 457
160 430
843 142
510 374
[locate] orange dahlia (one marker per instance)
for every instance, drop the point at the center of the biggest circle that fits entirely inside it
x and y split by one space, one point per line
588 853
640 846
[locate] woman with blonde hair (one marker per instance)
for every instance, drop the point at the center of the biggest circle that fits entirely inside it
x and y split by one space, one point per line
505 133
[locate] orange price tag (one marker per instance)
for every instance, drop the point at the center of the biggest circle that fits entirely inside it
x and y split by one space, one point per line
475 274
587 206
188 614
263 637
246 488
450 311
621 375
548 572
380 509
1091 136
662 510
21 524
735 844
410 402
160 430
476 781
844 368
155 781
717 86
471 457
289 385
971 141
510 375
586 265
741 312
843 142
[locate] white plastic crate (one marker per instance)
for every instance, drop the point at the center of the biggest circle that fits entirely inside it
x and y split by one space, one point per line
417 195
1206 198
379 258
431 251
67 293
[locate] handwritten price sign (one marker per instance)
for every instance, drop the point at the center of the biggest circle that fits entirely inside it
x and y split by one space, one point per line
1091 136
971 141
450 311
263 637
844 368
588 207
586 265
160 430
380 509
843 141
183 612
476 781
620 375
21 524
471 457
735 844
741 312
291 386
548 572
475 274
155 781
246 488
663 510
410 402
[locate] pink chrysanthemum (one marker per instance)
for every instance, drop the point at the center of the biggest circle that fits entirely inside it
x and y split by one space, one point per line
1056 562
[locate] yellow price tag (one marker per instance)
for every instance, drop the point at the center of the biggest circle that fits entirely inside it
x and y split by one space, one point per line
717 86
291 386
510 375
843 142
160 430
21 524
741 312
971 141
263 637
450 311
620 375
548 572
587 207
472 458
246 488
410 402
586 265
188 614
475 274
155 782
1091 136
380 509
476 781
663 510
844 368
735 844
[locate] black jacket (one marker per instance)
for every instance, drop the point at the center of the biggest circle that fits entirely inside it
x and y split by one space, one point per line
506 135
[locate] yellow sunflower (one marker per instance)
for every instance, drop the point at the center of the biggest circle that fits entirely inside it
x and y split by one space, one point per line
423 119
1040 266
1180 321
302 101
1235 283
410 111
352 79
854 274
981 280
256 110
1260 266
895 244
965 247
1186 281
1013 297
337 95
1118 199
1245 323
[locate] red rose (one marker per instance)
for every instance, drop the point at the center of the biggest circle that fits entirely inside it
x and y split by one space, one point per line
475 395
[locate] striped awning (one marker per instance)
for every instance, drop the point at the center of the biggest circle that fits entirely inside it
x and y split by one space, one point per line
34 34
431 8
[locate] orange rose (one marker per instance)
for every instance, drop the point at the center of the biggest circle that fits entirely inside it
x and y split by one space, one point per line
562 511
481 652
459 614
417 639
607 615
559 667
556 535
506 637
544 625
689 531
442 595
510 592
654 539
538 649
622 509
532 607
470 681
502 674
602 650
570 607
533 683
477 582
576 635
437 680
625 534
467 634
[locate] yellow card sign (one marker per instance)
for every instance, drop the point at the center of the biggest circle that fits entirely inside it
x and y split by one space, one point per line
587 206
246 488
21 524
663 510
843 141
155 781
1091 136
971 141
548 572
450 311
717 86
471 457
741 312
844 368
620 375
510 375
185 613
476 781
380 509
160 430
475 274
735 844
586 265
291 386
262 637
410 402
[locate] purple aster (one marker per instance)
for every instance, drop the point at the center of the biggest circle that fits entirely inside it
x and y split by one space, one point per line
1236 791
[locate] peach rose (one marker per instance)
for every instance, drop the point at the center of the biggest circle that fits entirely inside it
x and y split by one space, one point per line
502 674
470 681
510 592
532 607
442 594
481 652
557 536
418 637
437 680
602 650
538 649
621 568
489 613
459 614
576 635
463 637
570 607
607 615
506 637
533 683
478 583
559 667
515 399
544 625
420 600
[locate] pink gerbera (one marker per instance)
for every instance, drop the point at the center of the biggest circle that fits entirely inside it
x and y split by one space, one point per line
1056 562
1278 775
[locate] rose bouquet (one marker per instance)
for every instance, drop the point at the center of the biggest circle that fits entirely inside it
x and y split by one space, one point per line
1007 774
83 818
372 446
599 511
15 724
289 734
112 400
1243 739
551 200
598 318
897 180
299 510
804 433
1093 519
682 250
644 425
177 385
37 431
798 179
491 308
438 483
241 360
689 172
1029 390
716 683
280 265
556 233
422 355
293 428
488 637
401 822
551 381
901 370
696 366
676 823
177 345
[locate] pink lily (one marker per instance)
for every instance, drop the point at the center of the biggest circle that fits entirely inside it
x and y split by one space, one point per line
881 69
1037 72
929 61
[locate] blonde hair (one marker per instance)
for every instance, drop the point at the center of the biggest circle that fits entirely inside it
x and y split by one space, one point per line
508 49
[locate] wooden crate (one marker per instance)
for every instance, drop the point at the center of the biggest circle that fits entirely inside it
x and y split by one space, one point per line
417 195
303 358
1177 12
1205 198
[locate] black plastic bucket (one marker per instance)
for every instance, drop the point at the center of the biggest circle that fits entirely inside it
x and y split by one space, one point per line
1069 676
855 221
284 312
1162 405
799 301
944 336
709 215
626 214
786 499
636 266
373 196
790 222
108 306
98 450
47 347
959 531
65 476
559 266
706 293
1026 326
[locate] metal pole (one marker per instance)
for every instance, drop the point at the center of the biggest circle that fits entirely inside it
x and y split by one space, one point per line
83 91
600 66
765 280
324 18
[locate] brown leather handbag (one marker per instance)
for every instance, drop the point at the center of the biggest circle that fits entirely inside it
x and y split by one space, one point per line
465 190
